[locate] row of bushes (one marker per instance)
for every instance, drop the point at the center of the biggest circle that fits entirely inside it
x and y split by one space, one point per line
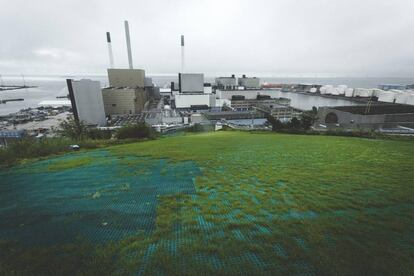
71 132
79 131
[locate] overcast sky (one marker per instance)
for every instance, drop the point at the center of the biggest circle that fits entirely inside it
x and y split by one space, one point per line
274 37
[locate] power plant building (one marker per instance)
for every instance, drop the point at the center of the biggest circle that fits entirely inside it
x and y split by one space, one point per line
118 101
226 82
126 78
191 83
188 100
127 93
249 83
87 101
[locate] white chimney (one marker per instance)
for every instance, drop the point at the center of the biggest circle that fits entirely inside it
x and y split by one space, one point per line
182 55
111 56
128 41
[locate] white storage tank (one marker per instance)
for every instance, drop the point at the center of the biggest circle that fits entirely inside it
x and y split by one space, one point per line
333 91
387 97
362 92
410 99
376 92
328 89
322 90
349 92
402 98
341 89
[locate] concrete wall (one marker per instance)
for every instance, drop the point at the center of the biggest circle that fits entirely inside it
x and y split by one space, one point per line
187 100
124 100
126 78
89 102
350 120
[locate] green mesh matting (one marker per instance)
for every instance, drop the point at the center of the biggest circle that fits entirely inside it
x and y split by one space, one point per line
106 199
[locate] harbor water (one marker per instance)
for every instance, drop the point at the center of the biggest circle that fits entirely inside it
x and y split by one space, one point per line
50 87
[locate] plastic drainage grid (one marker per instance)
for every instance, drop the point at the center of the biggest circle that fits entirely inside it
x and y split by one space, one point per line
93 201
105 200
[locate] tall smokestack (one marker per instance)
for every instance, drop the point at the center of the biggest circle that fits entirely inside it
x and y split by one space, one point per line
182 55
111 56
128 42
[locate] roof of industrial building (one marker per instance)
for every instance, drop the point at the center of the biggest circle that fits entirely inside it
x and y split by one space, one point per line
377 109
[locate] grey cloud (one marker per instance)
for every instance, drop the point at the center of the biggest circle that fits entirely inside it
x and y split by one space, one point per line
264 36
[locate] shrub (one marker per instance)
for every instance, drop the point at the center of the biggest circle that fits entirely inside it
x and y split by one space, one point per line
72 129
98 134
200 128
139 131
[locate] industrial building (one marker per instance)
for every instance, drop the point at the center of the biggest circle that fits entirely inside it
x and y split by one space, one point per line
367 117
250 94
227 83
240 103
249 83
126 93
285 113
121 100
191 83
192 91
131 78
188 100
87 102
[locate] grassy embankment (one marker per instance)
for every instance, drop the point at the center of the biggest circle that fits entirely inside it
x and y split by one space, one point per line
266 203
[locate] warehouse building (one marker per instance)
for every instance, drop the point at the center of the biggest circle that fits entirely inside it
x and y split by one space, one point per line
87 102
367 117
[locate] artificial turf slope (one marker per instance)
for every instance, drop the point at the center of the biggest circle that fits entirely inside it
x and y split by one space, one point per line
268 204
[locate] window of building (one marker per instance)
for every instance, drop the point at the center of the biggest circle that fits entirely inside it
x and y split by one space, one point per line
113 105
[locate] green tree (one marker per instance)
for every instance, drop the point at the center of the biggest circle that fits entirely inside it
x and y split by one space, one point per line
276 123
73 129
309 118
294 123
